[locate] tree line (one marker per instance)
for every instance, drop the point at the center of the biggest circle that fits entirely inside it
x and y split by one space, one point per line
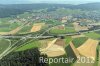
23 58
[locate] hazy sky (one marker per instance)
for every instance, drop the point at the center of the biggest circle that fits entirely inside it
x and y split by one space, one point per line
47 1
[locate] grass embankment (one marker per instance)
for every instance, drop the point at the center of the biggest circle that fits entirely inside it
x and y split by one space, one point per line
93 35
79 41
4 44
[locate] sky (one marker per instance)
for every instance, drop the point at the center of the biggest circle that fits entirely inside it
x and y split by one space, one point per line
47 1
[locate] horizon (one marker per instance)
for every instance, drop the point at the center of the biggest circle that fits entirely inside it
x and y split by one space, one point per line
77 2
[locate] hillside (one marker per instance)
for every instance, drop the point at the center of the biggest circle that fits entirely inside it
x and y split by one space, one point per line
14 9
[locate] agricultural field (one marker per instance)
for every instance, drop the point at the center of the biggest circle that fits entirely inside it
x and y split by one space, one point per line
26 29
8 27
31 45
93 35
5 23
79 41
68 39
79 27
37 27
62 31
89 49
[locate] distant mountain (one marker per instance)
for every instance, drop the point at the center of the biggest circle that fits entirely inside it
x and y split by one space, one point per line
89 6
14 9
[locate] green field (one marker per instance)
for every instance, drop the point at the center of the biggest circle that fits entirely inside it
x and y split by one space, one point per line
79 41
4 44
93 35
67 39
4 20
31 45
62 31
5 29
25 29
8 27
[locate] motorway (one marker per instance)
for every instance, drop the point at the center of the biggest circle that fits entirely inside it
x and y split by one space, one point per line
44 37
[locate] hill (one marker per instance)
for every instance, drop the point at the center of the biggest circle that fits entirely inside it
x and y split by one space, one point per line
14 9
